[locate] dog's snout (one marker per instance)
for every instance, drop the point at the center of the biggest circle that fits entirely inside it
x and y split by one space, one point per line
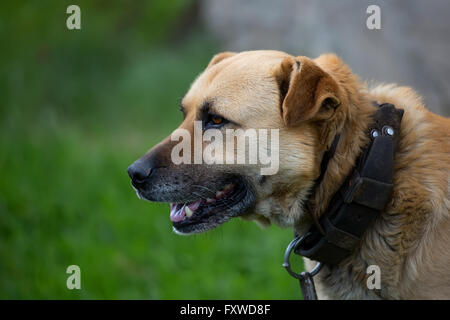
139 172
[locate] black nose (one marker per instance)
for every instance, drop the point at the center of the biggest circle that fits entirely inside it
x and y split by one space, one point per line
138 172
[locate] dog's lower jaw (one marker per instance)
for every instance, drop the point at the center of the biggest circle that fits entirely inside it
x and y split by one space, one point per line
234 202
179 233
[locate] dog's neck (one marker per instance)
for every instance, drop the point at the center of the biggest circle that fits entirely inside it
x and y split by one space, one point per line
351 123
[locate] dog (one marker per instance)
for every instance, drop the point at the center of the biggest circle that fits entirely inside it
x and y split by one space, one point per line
309 102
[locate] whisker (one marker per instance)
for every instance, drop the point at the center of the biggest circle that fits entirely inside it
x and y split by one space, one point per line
199 195
206 188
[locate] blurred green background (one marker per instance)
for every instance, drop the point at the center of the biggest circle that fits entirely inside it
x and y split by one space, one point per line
77 107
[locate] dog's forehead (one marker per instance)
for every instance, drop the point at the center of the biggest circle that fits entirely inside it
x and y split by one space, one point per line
244 78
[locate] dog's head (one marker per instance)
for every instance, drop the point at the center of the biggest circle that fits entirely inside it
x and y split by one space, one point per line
277 107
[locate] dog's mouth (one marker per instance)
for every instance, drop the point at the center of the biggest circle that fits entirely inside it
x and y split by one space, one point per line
231 200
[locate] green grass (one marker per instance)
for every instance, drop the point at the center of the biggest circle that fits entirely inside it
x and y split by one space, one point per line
76 110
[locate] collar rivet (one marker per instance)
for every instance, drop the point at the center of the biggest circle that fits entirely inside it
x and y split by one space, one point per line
374 133
388 130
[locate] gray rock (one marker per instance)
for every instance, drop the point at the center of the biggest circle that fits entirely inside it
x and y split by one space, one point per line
412 48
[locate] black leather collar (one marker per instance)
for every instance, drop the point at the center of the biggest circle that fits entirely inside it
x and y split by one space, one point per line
362 196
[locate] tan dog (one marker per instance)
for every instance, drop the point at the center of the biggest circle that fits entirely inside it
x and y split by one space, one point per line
310 101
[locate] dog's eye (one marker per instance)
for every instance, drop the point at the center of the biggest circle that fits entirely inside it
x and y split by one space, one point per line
214 121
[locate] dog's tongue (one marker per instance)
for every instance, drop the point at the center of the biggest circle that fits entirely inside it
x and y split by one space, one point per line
177 212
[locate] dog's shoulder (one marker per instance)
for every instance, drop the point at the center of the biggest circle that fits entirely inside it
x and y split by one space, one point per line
419 212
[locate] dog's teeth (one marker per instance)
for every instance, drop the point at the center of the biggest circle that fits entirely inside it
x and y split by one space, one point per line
219 194
209 200
188 212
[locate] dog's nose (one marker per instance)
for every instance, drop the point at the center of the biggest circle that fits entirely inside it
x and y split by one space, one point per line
138 172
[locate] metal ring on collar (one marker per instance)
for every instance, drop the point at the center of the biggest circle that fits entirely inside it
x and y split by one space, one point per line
286 264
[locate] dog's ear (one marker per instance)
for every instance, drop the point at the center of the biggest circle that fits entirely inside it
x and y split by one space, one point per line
220 56
306 91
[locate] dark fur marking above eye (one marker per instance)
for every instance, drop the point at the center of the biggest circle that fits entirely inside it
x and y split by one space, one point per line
204 109
206 115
